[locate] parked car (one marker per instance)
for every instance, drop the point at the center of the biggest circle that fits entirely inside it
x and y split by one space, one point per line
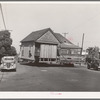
8 63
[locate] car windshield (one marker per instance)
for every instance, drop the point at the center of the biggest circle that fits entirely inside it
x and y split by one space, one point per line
70 52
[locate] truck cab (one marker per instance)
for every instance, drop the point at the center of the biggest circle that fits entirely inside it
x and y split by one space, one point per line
70 57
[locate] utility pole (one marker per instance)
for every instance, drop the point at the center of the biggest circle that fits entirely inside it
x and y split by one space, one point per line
82 43
2 16
65 34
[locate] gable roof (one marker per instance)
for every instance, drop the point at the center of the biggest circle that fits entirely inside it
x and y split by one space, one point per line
37 34
61 38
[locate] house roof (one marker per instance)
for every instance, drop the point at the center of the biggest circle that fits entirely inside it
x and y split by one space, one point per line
68 45
37 34
61 38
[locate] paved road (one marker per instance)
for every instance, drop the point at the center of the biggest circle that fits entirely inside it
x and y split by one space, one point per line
50 78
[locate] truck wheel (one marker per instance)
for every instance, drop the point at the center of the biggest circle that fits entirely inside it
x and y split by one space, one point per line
15 70
61 63
88 67
1 70
72 65
96 68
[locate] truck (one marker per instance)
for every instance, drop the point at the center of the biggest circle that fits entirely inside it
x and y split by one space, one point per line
92 58
70 55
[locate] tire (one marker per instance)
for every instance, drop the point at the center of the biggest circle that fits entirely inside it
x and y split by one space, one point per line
61 63
72 65
88 67
96 68
14 70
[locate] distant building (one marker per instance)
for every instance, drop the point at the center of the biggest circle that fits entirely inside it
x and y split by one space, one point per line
84 53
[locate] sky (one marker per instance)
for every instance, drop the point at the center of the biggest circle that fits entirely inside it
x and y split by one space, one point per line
74 18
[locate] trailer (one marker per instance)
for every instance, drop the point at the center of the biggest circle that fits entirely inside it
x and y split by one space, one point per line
93 58
70 54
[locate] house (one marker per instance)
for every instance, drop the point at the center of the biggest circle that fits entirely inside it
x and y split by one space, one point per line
42 45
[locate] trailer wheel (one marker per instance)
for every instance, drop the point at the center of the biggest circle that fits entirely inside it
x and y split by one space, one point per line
61 63
72 65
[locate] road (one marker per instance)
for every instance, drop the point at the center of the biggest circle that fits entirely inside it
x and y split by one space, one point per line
50 78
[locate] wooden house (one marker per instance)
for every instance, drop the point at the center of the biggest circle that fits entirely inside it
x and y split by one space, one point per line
41 46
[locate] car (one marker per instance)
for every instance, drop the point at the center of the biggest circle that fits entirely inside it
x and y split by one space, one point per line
8 63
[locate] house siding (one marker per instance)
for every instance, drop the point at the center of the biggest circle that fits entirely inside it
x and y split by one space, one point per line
27 51
48 51
48 37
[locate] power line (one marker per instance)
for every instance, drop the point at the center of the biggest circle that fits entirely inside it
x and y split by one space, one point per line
83 23
2 16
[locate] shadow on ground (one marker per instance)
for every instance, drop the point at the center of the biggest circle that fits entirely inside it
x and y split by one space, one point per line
46 65
7 70
94 69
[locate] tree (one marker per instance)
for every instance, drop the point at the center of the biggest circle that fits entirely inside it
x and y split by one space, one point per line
6 47
12 51
93 52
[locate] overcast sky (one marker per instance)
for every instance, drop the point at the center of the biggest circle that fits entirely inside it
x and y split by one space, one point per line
72 18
